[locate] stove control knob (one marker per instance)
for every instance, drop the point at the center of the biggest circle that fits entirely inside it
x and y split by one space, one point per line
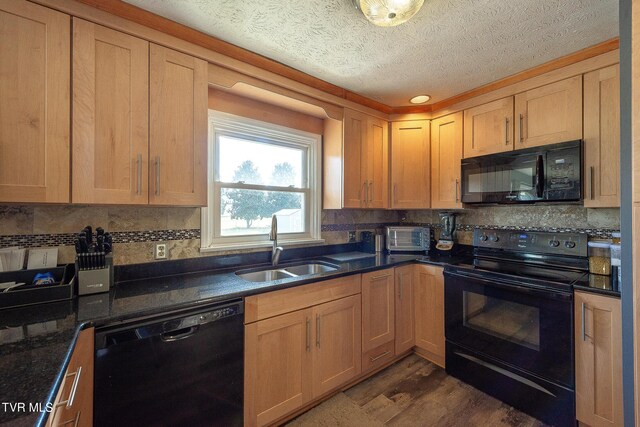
554 243
494 238
483 238
570 245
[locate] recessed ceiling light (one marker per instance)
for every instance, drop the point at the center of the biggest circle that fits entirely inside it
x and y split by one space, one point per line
420 99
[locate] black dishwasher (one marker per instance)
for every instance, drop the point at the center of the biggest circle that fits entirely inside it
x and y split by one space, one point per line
175 370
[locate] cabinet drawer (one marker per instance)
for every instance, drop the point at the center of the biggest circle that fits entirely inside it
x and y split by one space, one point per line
271 304
378 356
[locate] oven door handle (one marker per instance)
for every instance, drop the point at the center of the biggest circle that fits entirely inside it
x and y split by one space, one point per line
539 176
514 287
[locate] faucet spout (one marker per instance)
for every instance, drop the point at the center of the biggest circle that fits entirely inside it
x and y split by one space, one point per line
273 236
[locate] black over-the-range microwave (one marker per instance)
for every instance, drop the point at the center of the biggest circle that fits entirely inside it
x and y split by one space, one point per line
550 173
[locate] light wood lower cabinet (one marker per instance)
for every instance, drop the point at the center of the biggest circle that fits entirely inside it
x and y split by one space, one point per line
35 58
598 337
405 309
429 306
292 358
602 137
378 308
74 402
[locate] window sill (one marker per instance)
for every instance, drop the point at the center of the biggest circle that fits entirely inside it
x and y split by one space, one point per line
260 245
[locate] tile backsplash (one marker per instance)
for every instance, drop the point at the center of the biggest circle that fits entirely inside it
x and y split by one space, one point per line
136 229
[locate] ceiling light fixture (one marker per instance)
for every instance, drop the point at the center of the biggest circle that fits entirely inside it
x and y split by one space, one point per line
420 99
388 13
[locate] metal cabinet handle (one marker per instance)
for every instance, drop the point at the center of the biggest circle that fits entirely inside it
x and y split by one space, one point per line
157 175
365 193
584 334
590 180
74 387
373 359
395 194
521 127
308 334
457 185
139 174
506 130
369 188
318 330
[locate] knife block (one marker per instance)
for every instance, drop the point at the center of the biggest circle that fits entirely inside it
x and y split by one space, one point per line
96 280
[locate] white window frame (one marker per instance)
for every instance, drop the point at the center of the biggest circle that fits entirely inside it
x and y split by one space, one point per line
225 124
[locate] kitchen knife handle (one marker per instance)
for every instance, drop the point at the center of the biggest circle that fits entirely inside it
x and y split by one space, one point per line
139 174
521 127
157 175
506 130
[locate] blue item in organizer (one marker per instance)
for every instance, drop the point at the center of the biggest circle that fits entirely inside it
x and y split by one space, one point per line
44 279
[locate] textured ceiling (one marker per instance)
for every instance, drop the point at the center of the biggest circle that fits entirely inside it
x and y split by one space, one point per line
449 47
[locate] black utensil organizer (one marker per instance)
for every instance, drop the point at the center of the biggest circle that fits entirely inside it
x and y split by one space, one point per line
27 294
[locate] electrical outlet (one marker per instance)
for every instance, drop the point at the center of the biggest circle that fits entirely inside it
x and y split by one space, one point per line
352 237
161 251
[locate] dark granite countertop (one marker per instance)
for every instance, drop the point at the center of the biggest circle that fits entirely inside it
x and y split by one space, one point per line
36 341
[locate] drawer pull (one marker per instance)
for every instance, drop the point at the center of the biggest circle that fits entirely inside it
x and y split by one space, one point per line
318 330
74 388
373 359
308 334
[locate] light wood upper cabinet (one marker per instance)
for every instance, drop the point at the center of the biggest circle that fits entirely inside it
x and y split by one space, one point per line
410 171
549 114
404 309
365 161
338 346
277 366
429 306
602 137
378 308
446 154
110 116
35 49
488 128
73 404
178 128
598 338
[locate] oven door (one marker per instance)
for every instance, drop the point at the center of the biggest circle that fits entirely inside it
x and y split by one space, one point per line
503 178
529 328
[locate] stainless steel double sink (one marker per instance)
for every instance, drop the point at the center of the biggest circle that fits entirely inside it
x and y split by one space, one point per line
287 271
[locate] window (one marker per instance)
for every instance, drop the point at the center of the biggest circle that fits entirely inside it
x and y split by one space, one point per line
257 170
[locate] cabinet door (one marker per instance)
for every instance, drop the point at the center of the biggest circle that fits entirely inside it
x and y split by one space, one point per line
277 366
378 308
110 116
376 157
35 49
549 114
446 153
74 403
410 172
488 128
178 128
338 346
429 306
405 309
598 339
602 137
354 142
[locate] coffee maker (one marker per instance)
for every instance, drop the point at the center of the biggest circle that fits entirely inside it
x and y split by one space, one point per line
448 222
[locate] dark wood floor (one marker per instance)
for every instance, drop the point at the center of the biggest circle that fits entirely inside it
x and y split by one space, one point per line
413 392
